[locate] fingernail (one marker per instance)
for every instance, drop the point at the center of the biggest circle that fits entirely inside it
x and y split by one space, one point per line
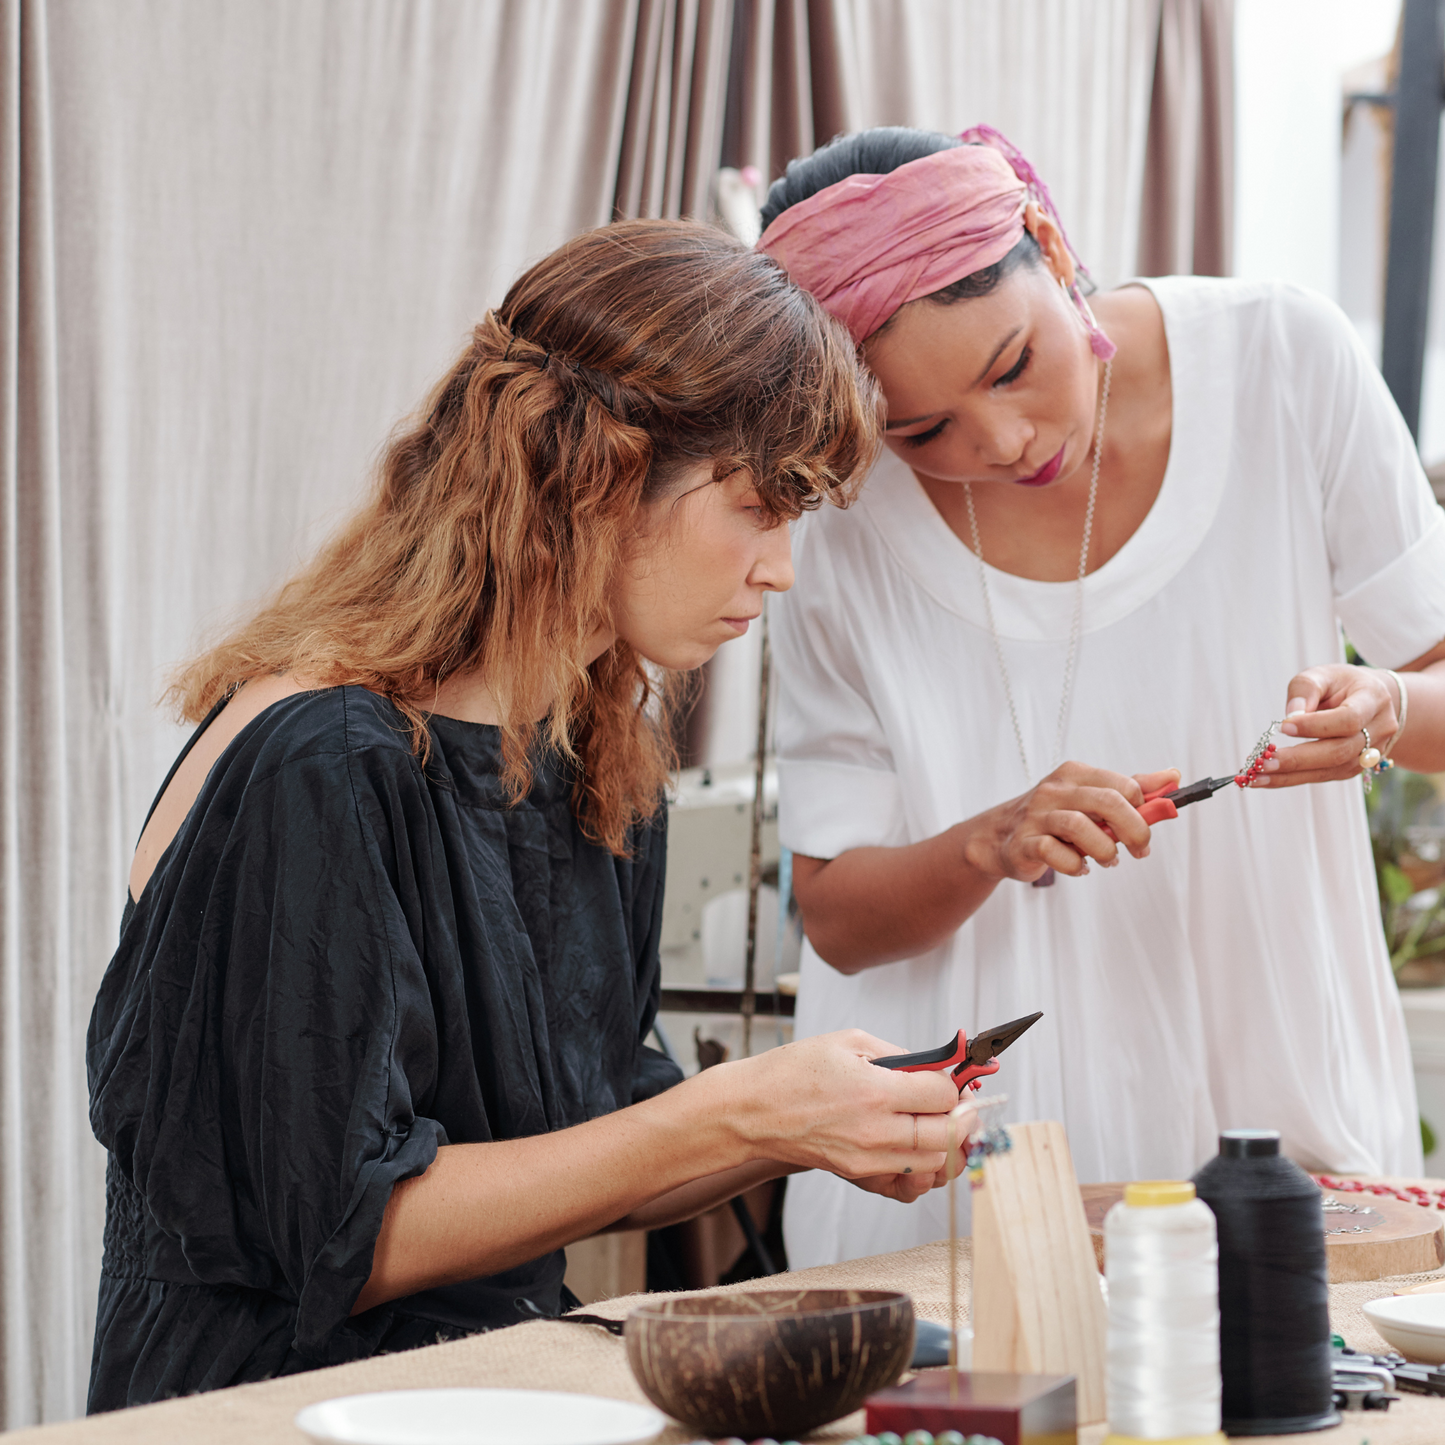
1291 729
1271 765
1260 782
1295 704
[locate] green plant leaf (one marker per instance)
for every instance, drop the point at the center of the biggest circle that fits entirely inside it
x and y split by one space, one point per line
1394 884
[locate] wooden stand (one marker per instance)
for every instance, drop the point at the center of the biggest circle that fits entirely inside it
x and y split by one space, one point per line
1037 1306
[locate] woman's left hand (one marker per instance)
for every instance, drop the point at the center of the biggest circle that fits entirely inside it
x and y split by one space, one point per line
1332 706
905 1188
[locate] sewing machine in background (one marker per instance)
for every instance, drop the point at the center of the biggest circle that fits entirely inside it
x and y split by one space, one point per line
705 914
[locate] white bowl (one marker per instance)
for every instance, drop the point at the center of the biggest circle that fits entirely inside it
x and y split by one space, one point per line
479 1417
1414 1324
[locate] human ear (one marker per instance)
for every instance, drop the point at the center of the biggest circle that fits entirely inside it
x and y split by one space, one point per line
1051 245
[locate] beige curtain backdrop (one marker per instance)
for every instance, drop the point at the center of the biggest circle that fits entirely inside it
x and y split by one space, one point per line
1188 209
238 241
673 131
1068 80
783 85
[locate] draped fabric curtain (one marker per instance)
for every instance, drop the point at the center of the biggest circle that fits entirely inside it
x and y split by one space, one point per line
1188 210
238 241
784 96
673 130
48 1195
1068 80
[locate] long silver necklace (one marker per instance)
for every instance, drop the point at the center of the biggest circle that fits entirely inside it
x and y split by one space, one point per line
1078 624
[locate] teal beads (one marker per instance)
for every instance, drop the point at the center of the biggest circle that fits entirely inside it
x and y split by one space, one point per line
918 1437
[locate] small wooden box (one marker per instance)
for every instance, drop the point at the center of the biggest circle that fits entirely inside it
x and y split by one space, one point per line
1014 1409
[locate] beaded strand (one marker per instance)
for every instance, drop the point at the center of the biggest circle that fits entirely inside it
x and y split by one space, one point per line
889 1437
1259 755
1407 1193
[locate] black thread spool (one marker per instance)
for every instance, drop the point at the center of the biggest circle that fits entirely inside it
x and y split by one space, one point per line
1274 1292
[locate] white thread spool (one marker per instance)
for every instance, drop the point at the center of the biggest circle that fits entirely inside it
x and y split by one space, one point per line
1161 1258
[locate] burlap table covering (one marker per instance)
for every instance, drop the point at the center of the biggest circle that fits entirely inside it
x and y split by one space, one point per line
549 1356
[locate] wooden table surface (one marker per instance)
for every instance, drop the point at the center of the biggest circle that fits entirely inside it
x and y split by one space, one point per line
553 1356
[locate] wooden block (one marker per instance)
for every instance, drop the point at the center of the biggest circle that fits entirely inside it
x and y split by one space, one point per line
1373 1237
1037 1306
1013 1409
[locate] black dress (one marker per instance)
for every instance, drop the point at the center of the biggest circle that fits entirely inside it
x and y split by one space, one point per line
341 962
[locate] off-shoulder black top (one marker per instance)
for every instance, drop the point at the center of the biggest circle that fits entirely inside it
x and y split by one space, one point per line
344 960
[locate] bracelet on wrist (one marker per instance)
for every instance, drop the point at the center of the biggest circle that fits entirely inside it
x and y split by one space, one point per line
1404 711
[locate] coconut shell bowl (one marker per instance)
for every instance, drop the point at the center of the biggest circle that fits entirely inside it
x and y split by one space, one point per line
771 1362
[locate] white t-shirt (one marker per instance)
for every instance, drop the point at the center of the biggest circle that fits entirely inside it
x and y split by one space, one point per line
1236 977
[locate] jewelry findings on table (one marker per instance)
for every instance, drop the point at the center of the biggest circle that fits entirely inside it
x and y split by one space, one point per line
1076 628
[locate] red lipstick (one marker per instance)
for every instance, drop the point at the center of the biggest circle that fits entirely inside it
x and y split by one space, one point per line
1045 474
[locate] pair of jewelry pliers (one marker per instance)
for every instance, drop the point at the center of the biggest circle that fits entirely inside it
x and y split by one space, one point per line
1165 803
970 1060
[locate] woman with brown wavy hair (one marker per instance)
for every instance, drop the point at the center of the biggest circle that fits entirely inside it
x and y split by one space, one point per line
370 1050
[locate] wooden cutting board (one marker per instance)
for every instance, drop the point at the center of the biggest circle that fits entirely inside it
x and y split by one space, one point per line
1369 1236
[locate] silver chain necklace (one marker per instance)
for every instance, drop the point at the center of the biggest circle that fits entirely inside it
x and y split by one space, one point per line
1078 623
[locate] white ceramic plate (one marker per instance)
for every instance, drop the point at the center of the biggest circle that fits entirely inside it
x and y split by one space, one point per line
479 1417
1414 1324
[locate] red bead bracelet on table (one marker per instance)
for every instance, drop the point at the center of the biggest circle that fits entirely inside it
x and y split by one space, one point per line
1409 1193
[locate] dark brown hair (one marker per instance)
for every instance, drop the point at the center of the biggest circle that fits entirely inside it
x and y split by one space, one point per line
502 513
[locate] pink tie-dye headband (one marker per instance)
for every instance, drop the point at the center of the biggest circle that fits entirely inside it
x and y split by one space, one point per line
870 244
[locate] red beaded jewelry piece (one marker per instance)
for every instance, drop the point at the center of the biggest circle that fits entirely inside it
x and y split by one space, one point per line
1410 1193
1262 752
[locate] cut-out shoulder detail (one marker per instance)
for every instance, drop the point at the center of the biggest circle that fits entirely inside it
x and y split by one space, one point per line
250 701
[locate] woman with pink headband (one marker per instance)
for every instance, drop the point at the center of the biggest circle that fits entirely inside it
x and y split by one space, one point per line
1128 536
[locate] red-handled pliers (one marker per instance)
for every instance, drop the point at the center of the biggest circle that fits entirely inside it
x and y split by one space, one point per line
1165 803
970 1061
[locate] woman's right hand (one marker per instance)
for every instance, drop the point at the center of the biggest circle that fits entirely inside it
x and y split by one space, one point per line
1059 824
482 1208
821 1103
